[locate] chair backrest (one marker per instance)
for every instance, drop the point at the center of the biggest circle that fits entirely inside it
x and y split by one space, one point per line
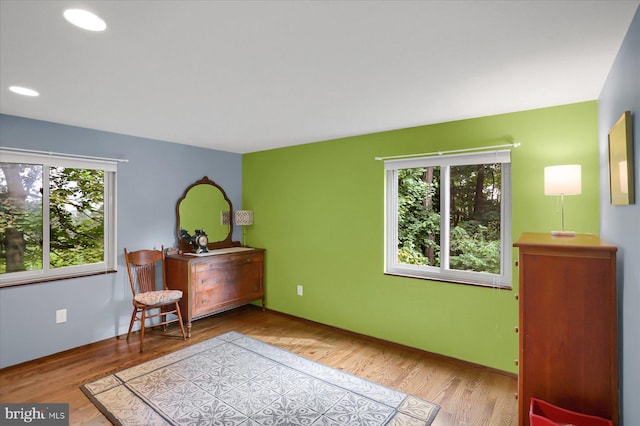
141 267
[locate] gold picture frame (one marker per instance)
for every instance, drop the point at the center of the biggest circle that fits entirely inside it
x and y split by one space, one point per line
621 170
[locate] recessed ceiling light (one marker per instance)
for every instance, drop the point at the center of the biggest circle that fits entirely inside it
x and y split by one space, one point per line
25 91
85 19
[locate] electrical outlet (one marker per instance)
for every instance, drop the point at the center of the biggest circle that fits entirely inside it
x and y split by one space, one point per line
299 290
61 316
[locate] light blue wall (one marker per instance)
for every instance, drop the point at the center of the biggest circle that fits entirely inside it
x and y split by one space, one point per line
620 225
149 185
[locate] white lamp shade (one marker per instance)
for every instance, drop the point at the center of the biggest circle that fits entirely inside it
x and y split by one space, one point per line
244 217
563 180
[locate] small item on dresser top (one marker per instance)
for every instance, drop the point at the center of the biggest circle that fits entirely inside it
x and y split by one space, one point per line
173 250
199 240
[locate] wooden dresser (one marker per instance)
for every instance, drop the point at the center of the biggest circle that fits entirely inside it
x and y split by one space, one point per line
222 280
568 324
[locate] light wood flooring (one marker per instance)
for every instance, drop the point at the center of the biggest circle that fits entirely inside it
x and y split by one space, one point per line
468 394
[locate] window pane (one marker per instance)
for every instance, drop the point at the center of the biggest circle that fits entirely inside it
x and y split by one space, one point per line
21 217
475 218
419 216
76 210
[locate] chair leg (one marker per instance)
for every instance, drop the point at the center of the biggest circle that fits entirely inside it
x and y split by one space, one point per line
144 312
164 319
184 335
133 318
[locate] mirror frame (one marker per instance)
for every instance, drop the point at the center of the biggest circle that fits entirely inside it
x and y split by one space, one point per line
227 242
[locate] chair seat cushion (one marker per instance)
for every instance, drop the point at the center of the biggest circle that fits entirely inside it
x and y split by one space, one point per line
158 297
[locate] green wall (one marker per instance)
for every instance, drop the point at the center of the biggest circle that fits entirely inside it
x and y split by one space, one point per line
319 212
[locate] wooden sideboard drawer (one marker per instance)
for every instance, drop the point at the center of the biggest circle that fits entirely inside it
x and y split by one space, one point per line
233 260
212 284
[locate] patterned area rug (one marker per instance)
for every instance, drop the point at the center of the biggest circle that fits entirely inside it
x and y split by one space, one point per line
233 379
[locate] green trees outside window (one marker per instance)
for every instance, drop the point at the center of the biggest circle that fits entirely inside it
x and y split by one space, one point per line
474 217
21 218
76 216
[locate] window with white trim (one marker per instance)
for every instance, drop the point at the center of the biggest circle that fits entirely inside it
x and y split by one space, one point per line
58 217
448 218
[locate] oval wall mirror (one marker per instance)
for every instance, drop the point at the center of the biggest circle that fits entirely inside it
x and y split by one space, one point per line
201 207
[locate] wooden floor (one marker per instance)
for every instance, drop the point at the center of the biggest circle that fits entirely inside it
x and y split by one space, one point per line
467 394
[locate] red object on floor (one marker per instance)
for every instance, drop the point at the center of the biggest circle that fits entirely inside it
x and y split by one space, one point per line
542 413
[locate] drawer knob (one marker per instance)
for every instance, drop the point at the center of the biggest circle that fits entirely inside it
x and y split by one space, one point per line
516 362
516 296
517 330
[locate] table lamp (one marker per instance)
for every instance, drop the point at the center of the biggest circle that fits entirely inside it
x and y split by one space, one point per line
563 180
243 218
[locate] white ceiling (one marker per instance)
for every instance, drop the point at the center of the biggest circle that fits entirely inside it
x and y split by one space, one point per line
246 76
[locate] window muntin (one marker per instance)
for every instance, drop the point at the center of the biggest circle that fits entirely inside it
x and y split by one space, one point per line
65 231
448 218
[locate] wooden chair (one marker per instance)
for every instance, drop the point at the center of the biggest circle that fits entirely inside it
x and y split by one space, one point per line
141 267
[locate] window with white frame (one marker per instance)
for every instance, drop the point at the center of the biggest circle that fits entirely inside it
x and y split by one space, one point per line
57 217
448 218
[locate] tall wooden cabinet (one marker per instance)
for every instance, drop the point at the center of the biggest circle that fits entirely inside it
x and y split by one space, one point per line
222 280
568 324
